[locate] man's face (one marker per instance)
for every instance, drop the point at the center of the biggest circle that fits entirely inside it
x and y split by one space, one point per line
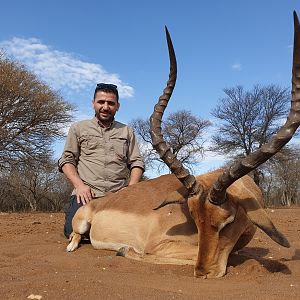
105 106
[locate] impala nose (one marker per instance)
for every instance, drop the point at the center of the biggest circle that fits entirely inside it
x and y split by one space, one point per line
216 273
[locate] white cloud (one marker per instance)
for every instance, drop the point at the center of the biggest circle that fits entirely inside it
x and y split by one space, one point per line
236 66
61 69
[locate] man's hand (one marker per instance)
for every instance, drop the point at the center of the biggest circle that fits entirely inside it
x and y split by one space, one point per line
84 194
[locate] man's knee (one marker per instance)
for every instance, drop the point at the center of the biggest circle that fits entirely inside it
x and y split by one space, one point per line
70 211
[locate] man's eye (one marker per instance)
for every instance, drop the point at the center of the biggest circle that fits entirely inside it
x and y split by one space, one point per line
110 103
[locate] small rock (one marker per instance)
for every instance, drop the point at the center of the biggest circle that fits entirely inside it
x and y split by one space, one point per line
32 296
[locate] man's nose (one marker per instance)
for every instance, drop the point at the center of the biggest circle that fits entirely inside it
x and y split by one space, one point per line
105 105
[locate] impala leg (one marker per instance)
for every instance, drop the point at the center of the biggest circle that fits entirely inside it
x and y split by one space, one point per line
129 252
81 224
75 239
186 254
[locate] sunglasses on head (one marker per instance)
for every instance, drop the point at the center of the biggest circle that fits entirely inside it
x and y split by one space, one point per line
107 86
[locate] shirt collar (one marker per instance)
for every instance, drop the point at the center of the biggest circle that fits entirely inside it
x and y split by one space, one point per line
95 119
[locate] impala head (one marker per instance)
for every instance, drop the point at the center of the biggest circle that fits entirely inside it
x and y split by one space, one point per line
216 204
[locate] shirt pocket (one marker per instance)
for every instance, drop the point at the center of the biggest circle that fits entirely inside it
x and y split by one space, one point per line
89 144
120 148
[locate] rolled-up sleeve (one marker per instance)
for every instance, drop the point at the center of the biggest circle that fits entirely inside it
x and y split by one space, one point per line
71 150
134 155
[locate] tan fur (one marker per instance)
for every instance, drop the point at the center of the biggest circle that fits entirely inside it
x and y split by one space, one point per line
196 232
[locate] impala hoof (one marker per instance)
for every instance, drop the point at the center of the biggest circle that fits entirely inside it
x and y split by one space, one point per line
71 247
122 251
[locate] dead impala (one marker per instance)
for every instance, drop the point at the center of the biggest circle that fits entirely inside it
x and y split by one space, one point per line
219 211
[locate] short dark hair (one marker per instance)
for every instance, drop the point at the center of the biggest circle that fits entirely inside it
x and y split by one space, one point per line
107 88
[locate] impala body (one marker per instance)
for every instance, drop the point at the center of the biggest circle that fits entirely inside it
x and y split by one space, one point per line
174 234
218 212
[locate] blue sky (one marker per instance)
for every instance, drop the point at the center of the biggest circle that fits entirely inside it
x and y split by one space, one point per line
72 45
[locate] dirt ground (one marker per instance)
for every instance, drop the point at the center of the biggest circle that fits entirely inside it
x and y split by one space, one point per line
34 264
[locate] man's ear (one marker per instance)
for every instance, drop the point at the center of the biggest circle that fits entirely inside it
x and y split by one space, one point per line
118 105
93 103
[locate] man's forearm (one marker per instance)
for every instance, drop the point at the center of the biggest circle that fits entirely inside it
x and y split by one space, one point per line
135 175
71 173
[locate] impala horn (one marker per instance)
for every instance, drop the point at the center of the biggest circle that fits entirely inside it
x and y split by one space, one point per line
164 151
217 194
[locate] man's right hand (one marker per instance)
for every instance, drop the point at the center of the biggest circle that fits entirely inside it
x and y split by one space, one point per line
84 194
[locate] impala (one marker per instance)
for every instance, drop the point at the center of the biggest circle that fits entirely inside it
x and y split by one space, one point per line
218 212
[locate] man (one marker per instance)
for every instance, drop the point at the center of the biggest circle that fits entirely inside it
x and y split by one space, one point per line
100 154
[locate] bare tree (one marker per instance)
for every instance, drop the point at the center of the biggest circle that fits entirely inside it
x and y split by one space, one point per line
32 115
248 119
184 133
34 186
281 180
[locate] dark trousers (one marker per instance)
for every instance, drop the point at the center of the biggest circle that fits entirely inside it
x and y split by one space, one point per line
70 211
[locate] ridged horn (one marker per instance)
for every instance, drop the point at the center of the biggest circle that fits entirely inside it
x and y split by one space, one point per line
217 193
164 151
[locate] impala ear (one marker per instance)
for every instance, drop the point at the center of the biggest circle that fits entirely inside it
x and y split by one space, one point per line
177 197
259 217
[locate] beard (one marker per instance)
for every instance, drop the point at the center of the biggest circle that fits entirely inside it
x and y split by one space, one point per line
105 117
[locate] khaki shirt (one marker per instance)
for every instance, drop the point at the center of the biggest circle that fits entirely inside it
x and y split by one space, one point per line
102 156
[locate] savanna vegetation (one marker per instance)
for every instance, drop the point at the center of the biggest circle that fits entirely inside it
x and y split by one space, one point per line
33 116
